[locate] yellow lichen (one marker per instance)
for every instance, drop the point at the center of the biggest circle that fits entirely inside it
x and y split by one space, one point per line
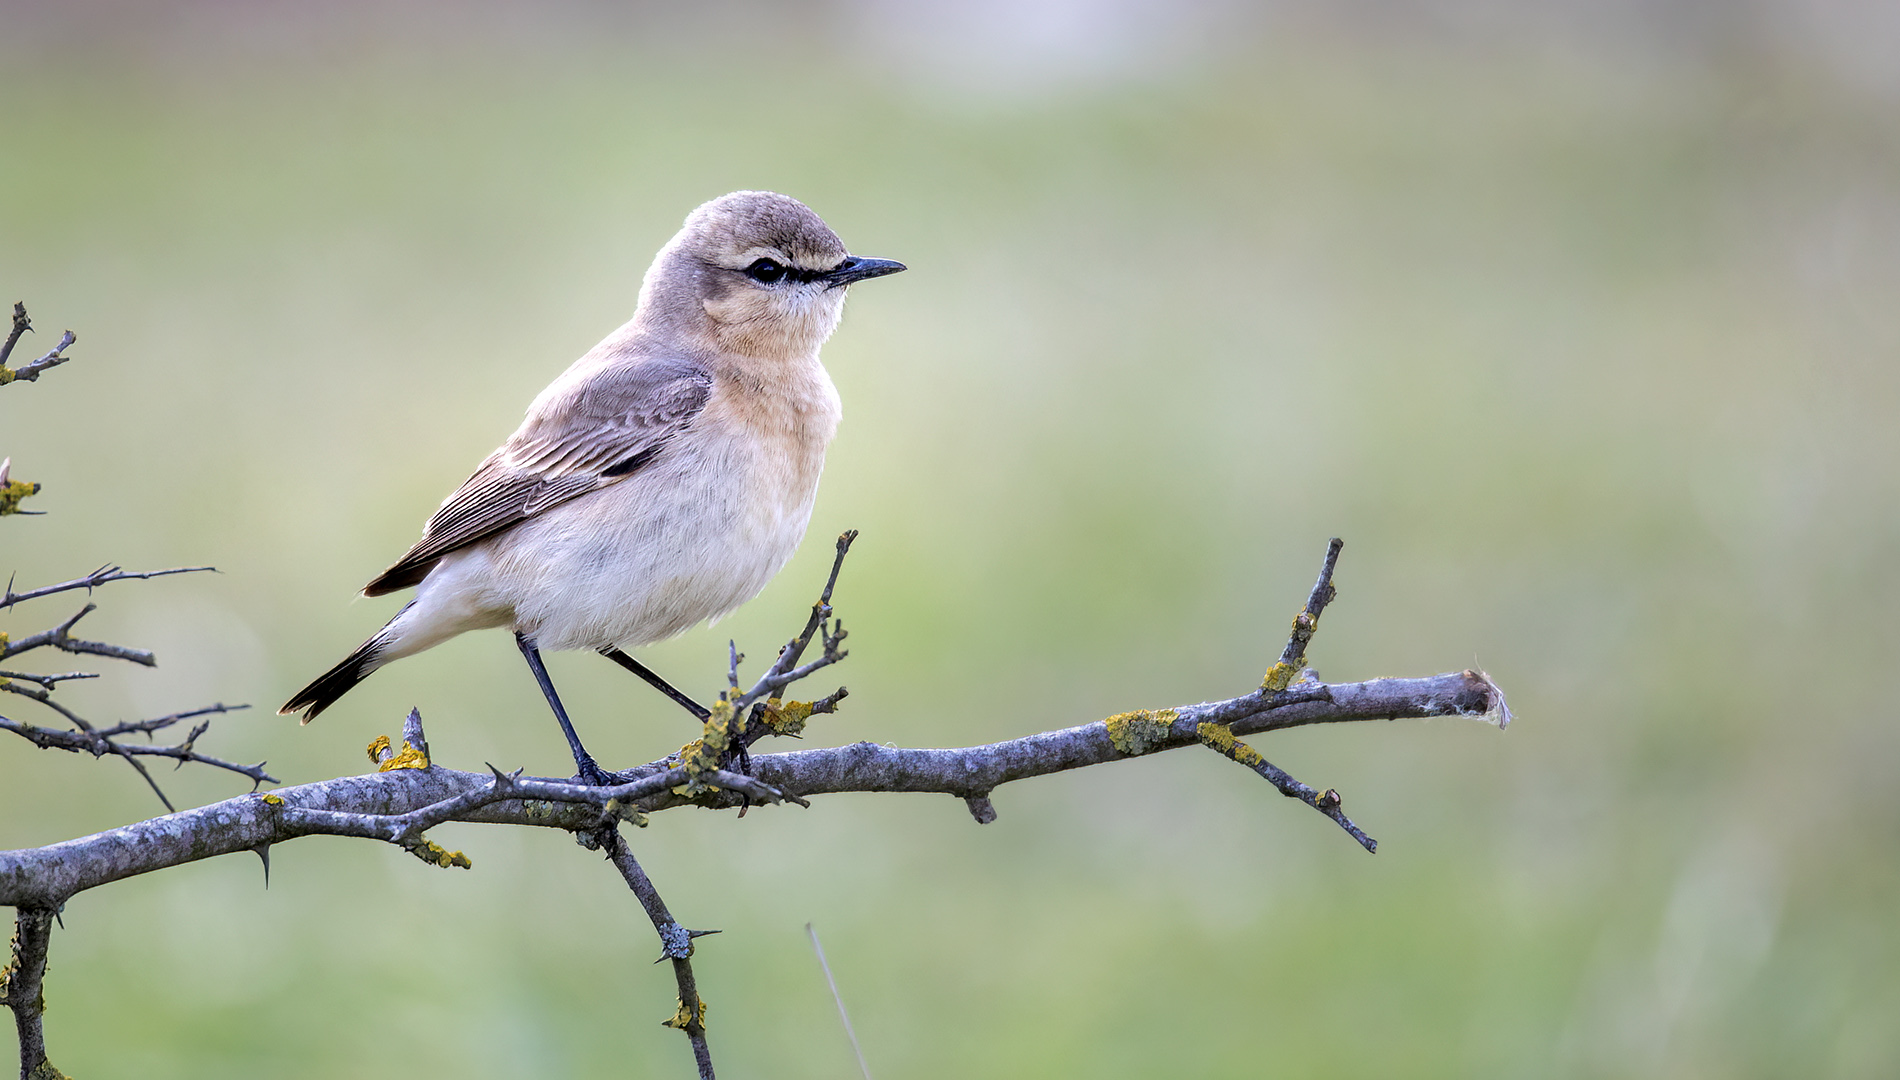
12 492
377 749
684 1016
1279 677
272 799
431 852
1217 737
786 717
409 757
702 755
1141 731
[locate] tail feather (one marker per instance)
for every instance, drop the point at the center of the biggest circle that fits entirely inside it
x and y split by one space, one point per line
339 680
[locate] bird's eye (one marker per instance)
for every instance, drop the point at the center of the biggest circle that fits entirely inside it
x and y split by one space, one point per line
765 272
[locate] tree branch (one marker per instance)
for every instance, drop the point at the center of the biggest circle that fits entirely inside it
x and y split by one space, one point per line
677 941
375 805
102 741
409 794
30 372
22 989
21 324
102 576
84 736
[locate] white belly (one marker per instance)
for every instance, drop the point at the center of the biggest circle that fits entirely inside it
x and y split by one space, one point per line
690 539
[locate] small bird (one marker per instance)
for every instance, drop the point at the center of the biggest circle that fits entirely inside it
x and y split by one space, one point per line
660 481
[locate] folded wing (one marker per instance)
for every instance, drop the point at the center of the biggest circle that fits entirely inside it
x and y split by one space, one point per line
598 431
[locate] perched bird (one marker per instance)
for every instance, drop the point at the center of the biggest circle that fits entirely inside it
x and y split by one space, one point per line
661 481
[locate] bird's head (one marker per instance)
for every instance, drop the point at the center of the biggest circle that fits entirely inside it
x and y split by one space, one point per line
758 273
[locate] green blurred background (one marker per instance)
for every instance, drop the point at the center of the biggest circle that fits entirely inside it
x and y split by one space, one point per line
1577 321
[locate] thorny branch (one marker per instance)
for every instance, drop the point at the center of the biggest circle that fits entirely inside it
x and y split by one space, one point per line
81 735
677 943
105 575
410 795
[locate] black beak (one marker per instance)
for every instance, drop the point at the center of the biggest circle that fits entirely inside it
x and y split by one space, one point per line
856 268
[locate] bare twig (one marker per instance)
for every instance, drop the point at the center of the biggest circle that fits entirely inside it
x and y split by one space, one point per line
100 742
21 324
102 576
31 372
785 670
1326 802
677 943
1305 622
1278 682
85 736
49 679
60 637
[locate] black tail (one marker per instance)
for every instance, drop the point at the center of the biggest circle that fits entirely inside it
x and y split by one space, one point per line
334 683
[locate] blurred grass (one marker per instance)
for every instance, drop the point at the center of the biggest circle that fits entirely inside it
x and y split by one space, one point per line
1592 366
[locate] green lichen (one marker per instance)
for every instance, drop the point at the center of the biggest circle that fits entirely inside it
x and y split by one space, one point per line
626 812
1142 731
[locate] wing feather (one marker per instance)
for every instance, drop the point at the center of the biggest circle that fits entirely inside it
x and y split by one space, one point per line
596 432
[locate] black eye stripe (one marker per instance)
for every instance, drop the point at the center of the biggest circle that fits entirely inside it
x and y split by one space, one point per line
771 272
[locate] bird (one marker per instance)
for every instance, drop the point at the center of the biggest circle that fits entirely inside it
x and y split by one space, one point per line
660 481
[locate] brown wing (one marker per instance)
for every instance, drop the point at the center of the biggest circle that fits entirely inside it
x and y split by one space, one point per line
596 432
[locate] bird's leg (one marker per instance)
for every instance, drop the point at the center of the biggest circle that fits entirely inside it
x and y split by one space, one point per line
583 760
738 753
700 712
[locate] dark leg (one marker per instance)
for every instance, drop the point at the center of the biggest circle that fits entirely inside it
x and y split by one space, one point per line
700 712
584 761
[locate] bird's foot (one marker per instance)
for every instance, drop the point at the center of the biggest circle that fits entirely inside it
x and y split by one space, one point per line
595 776
737 759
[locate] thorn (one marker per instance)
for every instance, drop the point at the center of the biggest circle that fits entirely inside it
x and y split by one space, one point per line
263 853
